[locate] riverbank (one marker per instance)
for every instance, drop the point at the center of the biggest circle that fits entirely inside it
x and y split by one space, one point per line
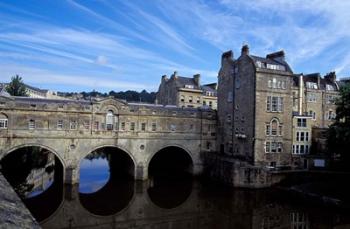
13 213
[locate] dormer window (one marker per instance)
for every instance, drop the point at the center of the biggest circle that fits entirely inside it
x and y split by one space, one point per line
329 87
311 85
3 123
189 86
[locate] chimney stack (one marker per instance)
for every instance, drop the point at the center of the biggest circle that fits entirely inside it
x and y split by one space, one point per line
245 50
197 78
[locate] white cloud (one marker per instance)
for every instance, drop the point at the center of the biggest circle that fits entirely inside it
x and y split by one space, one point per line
101 60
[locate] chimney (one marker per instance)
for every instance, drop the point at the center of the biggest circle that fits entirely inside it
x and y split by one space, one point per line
164 78
197 79
279 56
245 50
331 77
226 55
174 75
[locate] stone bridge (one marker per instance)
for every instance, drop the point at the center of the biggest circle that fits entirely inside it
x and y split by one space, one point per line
72 129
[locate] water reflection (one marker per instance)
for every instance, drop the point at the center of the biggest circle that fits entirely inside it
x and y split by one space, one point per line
36 175
29 170
94 174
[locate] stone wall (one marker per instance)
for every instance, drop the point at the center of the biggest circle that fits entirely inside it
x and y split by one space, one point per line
13 213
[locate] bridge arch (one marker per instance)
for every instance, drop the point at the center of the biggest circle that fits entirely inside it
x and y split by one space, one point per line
7 152
186 155
125 151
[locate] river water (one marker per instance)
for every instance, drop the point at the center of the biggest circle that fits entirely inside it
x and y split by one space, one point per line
104 201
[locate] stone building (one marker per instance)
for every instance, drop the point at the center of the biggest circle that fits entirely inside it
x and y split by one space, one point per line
186 92
35 92
266 114
255 107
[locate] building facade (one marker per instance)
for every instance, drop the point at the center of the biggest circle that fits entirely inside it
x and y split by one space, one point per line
266 113
186 92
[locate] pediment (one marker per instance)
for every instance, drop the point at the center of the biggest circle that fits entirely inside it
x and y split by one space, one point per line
111 104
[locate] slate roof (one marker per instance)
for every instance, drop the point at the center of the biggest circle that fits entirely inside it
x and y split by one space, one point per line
271 61
182 81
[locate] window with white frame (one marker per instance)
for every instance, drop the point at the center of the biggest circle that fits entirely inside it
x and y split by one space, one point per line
273 147
31 124
73 125
311 85
3 123
274 104
301 122
274 128
311 97
59 124
154 126
109 120
132 126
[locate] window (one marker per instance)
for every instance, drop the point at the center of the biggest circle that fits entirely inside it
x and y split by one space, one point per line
313 114
302 136
132 126
268 129
96 125
60 124
269 84
154 126
311 85
273 147
204 103
274 83
210 103
122 126
229 118
31 124
306 136
189 86
274 127
279 147
329 87
301 122
73 125
198 100
3 123
274 104
190 99
109 120
86 125
298 136
311 97
172 127
330 99
230 97
143 126
330 115
182 98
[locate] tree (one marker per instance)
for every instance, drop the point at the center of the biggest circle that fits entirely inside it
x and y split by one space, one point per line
338 140
16 87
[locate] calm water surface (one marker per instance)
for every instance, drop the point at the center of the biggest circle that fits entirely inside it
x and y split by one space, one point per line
105 201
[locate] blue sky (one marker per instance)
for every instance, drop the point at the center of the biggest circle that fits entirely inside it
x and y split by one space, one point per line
71 45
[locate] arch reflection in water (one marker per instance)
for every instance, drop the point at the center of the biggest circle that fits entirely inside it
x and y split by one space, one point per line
36 174
170 171
106 185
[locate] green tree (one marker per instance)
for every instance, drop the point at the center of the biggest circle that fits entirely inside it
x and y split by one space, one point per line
338 140
16 87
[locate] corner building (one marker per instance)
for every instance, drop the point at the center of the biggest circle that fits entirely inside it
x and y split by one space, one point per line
255 106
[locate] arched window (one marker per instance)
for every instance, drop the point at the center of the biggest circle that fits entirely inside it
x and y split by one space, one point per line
182 99
109 120
274 128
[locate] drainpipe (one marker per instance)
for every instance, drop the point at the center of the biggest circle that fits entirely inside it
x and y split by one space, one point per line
301 94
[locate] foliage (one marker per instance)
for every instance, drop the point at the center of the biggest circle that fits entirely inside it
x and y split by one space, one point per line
338 140
130 96
16 87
